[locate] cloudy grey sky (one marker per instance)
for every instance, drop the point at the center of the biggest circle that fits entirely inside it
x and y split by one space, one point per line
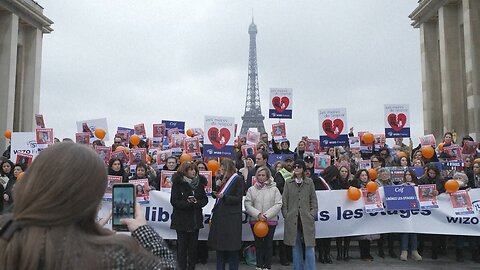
144 61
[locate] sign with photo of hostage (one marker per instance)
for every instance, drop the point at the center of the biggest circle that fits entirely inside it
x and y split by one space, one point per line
397 120
44 135
427 197
166 180
89 126
333 127
219 138
281 103
373 201
461 203
141 190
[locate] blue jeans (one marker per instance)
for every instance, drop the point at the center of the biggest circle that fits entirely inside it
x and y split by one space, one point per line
407 238
230 257
297 254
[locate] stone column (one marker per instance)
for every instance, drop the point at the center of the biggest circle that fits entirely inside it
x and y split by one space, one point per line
8 61
431 84
471 17
32 51
453 93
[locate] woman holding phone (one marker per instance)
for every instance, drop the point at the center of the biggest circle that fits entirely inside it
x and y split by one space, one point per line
262 203
53 221
188 197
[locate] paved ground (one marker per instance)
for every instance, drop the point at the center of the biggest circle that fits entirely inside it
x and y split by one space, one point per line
378 263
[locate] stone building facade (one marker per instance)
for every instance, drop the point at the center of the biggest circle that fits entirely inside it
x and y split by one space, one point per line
450 56
22 25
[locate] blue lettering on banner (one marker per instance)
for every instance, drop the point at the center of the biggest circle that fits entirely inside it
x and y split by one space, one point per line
463 220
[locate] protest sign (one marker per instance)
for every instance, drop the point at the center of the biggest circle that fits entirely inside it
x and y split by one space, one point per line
397 120
89 126
281 103
218 141
333 127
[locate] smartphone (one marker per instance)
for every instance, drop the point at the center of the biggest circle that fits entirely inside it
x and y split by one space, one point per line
123 205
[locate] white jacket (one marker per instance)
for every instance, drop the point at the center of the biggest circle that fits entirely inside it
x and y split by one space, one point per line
267 200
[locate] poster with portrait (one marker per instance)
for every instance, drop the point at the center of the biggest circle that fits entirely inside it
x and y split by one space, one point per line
44 135
104 152
89 127
176 127
354 143
219 138
253 137
281 103
166 180
139 129
141 190
24 159
469 148
333 127
159 130
122 156
138 155
248 150
192 146
279 131
124 135
156 142
428 139
198 133
162 157
364 147
208 175
379 141
397 120
454 151
321 162
23 142
427 197
364 164
312 146
373 201
82 138
40 123
177 142
111 180
461 203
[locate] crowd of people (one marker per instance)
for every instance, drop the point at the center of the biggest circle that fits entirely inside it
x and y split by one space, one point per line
288 186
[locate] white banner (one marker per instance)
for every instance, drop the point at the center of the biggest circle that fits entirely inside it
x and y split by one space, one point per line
23 142
337 216
89 126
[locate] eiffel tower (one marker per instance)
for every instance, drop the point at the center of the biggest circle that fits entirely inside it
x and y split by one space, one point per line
252 117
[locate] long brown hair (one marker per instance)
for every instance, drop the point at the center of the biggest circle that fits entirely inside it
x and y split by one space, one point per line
56 204
228 168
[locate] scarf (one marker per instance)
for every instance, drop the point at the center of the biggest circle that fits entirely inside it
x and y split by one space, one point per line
260 185
4 181
193 183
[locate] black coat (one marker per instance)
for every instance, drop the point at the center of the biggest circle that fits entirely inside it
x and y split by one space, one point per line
5 206
226 227
187 216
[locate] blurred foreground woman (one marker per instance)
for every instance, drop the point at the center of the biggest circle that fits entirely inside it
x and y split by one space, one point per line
53 222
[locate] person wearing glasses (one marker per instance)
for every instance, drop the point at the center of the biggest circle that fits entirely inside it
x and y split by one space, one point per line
376 162
299 210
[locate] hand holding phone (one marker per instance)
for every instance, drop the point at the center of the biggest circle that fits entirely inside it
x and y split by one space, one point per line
123 205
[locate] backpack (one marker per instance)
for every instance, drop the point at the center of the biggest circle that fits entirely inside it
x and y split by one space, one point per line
249 255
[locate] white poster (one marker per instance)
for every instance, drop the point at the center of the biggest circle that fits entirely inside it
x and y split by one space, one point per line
397 120
333 127
281 103
218 141
23 142
89 126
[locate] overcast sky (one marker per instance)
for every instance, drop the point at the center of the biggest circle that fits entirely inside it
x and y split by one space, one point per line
143 61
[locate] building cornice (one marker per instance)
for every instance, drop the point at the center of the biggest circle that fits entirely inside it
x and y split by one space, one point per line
427 10
29 12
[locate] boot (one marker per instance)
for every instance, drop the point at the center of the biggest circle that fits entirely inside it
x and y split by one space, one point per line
459 254
340 255
346 247
391 253
404 255
416 256
381 254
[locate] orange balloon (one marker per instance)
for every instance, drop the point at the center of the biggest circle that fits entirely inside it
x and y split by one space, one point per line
190 132
8 134
213 165
401 154
452 186
440 146
149 159
372 186
100 133
134 139
372 174
428 151
185 157
260 229
353 193
20 175
368 138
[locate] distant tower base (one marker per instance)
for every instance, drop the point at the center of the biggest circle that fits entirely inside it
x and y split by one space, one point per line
252 121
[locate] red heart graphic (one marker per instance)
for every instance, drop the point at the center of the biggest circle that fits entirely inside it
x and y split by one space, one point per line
332 129
397 122
280 104
219 138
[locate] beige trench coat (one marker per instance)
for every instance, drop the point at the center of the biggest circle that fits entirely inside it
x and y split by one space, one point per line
299 200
